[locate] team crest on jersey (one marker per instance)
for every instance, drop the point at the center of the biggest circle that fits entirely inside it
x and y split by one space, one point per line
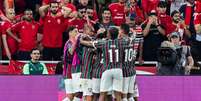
23 27
49 21
58 21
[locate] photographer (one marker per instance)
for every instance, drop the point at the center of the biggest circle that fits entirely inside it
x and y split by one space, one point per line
174 58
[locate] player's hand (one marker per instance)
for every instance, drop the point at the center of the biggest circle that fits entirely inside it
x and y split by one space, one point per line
141 61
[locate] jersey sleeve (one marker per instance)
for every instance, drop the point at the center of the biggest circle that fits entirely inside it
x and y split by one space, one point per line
26 69
45 71
99 43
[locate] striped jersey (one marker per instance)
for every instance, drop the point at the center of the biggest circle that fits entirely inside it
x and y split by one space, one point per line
111 50
130 54
98 64
67 60
86 66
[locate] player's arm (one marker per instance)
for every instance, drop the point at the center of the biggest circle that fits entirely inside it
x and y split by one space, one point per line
43 10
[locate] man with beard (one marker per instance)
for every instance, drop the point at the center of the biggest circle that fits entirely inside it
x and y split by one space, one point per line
105 21
178 25
54 24
27 39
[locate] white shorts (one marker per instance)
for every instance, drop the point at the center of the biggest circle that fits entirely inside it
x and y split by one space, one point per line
128 84
86 87
73 85
112 80
96 85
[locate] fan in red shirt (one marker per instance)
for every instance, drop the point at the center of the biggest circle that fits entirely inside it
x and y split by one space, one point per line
178 25
164 19
118 12
79 21
27 39
54 24
136 13
10 45
149 5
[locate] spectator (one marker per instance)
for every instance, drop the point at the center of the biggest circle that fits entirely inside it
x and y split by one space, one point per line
154 34
80 19
163 18
149 5
106 20
176 4
135 12
10 45
34 67
118 12
27 39
183 61
178 25
187 12
53 27
196 44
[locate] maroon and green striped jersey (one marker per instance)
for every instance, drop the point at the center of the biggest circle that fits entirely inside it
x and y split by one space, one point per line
86 66
130 54
111 49
98 64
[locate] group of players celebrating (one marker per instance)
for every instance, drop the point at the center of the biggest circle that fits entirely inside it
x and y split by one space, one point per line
100 67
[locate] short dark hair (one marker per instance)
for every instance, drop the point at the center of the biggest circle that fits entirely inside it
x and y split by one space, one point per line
34 50
105 9
126 28
162 4
174 12
53 2
114 32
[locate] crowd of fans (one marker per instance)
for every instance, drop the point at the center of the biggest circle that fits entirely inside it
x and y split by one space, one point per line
27 24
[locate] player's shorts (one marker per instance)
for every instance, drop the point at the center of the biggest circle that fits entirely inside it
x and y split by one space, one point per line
86 87
112 80
96 85
128 84
73 85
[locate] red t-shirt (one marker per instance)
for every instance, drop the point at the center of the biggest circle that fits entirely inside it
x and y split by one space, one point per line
28 34
118 13
197 19
12 43
78 23
149 5
165 20
53 28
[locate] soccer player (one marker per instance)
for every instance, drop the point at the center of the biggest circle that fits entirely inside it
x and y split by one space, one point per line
112 77
129 56
71 81
87 67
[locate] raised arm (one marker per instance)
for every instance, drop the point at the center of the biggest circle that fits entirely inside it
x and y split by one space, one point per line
43 10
